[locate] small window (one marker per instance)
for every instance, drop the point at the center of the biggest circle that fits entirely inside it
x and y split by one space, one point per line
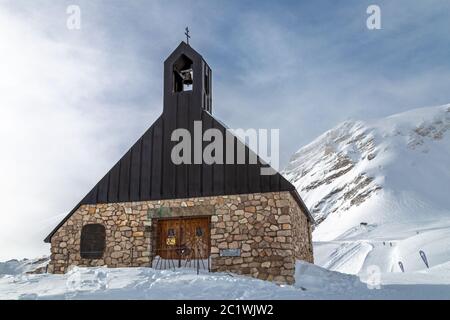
92 243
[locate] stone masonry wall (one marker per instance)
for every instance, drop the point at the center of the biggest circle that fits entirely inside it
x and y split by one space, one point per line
269 229
301 233
261 225
127 240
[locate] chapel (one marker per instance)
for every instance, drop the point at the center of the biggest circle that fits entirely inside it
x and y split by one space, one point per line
151 211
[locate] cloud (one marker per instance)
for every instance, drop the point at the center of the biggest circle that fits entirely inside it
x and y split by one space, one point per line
59 130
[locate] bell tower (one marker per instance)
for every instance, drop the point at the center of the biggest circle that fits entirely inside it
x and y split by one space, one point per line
187 82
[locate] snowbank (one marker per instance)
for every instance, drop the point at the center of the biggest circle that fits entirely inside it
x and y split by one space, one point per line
313 282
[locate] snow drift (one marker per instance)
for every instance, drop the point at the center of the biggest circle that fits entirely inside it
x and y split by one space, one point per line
312 282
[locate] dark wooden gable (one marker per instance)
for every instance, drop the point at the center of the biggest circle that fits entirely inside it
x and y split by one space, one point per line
146 171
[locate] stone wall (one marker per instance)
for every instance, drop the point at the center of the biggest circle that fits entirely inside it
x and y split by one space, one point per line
127 238
269 230
301 233
262 226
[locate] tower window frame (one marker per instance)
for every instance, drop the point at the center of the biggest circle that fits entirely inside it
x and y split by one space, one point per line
183 74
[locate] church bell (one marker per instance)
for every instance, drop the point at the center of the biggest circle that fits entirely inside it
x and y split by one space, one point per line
187 77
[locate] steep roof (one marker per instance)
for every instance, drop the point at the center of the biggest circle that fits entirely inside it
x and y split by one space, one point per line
146 173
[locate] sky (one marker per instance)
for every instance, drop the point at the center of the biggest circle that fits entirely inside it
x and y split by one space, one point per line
73 101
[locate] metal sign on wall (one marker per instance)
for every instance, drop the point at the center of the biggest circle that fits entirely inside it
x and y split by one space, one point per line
230 252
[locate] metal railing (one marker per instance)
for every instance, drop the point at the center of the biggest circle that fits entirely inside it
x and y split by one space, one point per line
182 257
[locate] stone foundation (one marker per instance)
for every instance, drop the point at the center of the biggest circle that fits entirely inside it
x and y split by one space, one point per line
269 229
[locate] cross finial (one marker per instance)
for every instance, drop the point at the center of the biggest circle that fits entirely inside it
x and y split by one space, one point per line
187 35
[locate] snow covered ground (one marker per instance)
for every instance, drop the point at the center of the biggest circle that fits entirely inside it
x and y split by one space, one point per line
313 282
386 246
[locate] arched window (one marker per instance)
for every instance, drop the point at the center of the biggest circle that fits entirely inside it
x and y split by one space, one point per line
92 244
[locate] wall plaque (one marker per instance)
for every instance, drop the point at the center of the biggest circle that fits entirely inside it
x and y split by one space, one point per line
230 252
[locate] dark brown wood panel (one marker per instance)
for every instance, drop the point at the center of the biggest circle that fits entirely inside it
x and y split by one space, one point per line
135 172
145 165
125 167
157 164
113 190
102 194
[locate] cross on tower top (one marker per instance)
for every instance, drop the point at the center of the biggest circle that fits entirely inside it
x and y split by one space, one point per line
187 35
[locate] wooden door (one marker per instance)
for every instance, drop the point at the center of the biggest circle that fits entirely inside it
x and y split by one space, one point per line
169 232
185 238
196 238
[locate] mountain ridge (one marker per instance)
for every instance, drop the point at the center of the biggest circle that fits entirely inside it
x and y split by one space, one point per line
384 179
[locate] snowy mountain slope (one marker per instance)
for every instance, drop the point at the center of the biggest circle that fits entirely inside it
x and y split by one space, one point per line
379 191
312 282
